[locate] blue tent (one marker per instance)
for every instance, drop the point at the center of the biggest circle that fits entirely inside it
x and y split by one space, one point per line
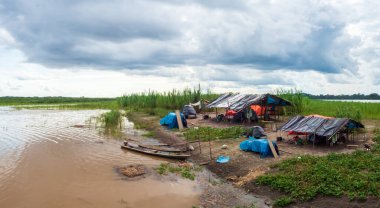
170 120
258 145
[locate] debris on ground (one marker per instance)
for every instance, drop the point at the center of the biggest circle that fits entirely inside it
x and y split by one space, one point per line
223 159
133 170
185 164
78 126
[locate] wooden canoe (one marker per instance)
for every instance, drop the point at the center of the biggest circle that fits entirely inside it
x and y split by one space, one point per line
161 148
159 153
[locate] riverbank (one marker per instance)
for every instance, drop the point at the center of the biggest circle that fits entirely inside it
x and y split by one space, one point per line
244 167
216 191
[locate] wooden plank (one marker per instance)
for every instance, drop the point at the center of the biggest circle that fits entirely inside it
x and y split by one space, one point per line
272 148
179 120
352 146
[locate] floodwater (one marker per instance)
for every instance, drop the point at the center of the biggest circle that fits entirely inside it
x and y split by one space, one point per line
355 101
46 162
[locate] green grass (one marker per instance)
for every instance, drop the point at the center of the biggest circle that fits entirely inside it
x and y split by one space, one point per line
49 100
204 133
156 103
185 172
149 134
355 175
282 201
111 121
304 105
335 108
376 138
71 106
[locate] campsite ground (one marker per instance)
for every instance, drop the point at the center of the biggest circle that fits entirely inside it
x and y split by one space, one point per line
245 167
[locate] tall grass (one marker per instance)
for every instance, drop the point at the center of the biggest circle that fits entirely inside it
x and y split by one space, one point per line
297 98
156 103
111 121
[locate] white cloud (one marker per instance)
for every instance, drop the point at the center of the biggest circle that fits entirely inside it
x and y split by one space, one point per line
106 48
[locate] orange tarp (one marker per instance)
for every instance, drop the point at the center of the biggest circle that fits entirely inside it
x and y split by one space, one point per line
260 110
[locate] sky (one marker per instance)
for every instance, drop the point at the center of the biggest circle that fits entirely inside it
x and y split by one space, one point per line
107 48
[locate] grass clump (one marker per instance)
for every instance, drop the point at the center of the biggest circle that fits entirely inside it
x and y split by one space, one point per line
377 138
204 133
149 134
111 121
283 201
297 98
185 171
355 175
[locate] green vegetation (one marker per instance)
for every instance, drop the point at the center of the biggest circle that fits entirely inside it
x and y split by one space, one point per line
155 103
72 106
282 201
186 171
49 100
297 98
353 110
372 96
149 134
111 121
244 206
60 103
355 175
204 133
303 105
377 138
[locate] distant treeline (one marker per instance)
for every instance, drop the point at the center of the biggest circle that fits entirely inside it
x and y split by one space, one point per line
372 96
49 100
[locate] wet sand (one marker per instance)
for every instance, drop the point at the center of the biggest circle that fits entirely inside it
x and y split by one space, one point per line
47 162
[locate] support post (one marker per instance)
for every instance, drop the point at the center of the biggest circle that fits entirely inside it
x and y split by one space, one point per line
272 148
179 120
209 143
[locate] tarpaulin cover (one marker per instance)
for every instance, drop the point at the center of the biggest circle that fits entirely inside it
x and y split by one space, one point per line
320 125
238 101
170 120
258 131
258 145
259 110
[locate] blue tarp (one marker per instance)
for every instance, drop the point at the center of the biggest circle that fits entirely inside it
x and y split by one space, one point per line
258 145
170 120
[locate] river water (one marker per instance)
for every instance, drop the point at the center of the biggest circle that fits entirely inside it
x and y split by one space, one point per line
45 161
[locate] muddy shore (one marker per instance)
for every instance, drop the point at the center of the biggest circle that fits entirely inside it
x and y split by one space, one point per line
243 168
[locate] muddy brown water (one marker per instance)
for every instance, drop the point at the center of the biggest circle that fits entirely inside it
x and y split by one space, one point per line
46 162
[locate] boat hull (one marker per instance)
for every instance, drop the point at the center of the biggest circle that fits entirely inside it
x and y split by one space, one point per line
158 153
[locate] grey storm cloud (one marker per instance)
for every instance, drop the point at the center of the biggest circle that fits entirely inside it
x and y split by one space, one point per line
145 34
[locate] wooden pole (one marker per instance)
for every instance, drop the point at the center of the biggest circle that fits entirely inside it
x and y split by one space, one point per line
199 143
209 143
179 120
272 148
